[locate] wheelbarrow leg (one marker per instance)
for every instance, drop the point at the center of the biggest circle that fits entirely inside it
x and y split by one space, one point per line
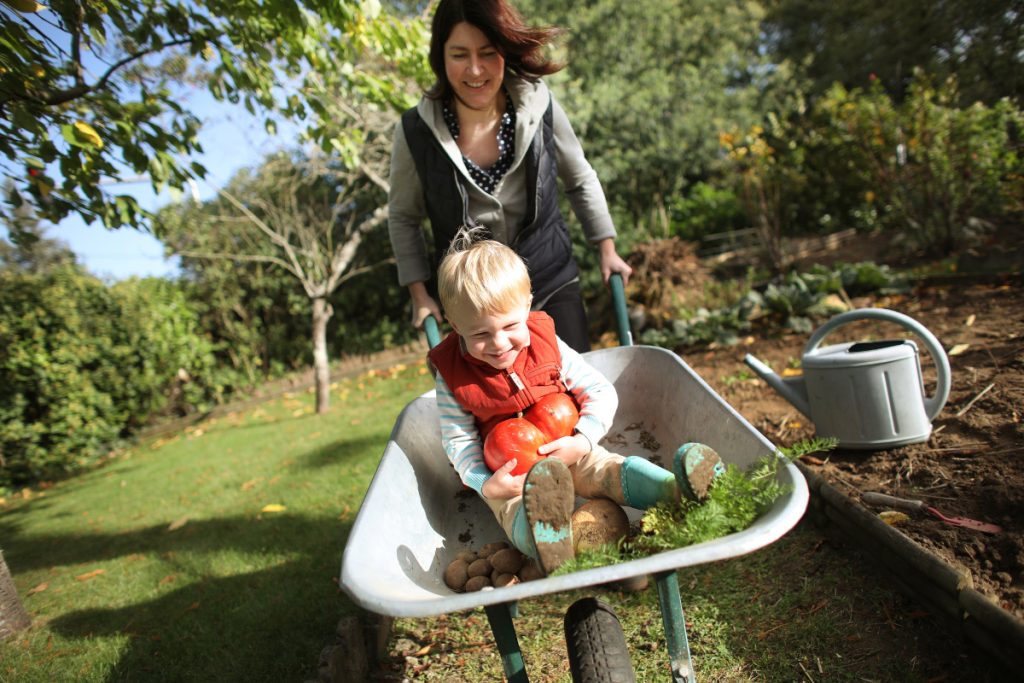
500 617
675 627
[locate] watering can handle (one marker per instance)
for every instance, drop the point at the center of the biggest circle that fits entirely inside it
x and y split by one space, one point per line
933 404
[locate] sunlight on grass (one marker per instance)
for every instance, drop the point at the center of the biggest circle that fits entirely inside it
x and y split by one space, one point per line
210 554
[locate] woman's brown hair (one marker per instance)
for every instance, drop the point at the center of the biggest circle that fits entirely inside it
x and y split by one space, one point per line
522 46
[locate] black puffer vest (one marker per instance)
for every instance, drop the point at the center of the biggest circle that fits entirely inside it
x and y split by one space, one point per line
543 242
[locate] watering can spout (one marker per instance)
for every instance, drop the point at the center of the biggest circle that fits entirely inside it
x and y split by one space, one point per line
792 389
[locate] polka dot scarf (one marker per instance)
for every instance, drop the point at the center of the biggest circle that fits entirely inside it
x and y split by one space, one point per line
488 178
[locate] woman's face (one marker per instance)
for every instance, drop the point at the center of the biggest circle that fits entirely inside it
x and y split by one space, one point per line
474 66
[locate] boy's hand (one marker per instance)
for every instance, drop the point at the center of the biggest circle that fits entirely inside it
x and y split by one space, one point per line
502 485
568 449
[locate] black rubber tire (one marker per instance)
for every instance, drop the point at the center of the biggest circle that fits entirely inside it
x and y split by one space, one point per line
597 646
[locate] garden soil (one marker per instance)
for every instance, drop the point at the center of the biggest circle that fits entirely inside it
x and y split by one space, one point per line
973 463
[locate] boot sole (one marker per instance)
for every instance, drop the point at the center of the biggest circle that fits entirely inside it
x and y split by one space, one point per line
549 498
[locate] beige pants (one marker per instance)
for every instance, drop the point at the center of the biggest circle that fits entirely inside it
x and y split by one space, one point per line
598 474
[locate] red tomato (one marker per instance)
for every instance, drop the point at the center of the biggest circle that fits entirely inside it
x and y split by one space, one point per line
513 438
555 415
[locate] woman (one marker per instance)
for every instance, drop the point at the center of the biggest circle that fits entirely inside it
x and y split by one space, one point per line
485 146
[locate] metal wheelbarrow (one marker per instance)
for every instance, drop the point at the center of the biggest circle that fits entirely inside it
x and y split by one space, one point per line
408 527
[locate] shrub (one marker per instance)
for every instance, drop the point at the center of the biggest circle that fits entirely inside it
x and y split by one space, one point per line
933 173
84 364
936 173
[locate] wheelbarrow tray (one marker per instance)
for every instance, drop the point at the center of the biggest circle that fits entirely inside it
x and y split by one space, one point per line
417 516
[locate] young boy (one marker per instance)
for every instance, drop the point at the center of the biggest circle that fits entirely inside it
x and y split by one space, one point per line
498 361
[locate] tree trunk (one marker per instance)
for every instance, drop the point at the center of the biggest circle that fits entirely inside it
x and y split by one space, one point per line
13 616
322 312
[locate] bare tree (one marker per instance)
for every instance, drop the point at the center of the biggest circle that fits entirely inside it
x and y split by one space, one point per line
308 217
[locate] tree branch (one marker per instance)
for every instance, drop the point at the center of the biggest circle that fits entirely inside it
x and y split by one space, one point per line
251 258
55 97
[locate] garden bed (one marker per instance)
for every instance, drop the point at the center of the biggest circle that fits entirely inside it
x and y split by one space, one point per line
973 464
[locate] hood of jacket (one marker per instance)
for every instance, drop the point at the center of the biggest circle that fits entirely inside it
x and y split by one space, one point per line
530 100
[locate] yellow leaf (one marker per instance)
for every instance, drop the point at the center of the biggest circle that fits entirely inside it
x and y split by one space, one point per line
86 133
958 349
178 523
892 517
970 320
273 507
423 651
27 6
38 589
90 575
792 372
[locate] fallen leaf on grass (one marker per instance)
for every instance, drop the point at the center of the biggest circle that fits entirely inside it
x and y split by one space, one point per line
170 578
178 523
249 484
958 349
422 651
38 589
90 575
273 507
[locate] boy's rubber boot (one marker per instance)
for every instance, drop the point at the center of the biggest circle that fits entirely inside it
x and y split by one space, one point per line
696 466
645 484
548 498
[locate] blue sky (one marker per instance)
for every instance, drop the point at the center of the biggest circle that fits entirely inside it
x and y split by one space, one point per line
231 139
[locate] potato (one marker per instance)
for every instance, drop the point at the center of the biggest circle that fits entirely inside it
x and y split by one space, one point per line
507 561
467 555
598 522
456 575
480 567
529 572
505 580
477 583
491 548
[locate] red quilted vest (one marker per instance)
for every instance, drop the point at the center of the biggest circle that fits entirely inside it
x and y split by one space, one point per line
494 395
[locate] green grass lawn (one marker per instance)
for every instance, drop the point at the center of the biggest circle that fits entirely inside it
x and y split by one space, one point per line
167 565
162 565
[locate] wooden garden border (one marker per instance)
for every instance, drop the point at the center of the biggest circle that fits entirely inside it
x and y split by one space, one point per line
946 591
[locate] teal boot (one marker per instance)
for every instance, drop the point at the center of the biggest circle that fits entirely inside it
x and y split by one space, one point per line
695 466
548 499
644 484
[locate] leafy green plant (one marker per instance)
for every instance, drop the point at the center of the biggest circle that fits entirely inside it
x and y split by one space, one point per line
736 499
793 300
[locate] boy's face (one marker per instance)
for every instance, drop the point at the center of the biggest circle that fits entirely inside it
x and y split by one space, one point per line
495 338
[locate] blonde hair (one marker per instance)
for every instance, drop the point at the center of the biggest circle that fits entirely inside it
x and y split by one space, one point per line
481 276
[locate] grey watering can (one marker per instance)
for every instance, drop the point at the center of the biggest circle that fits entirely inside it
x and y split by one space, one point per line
869 395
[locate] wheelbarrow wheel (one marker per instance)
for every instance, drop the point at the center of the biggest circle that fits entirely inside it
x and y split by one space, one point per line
597 646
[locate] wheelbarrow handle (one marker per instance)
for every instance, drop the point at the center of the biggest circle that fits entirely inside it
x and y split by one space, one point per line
619 303
433 330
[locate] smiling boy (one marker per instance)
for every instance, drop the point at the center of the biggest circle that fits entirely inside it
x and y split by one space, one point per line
500 359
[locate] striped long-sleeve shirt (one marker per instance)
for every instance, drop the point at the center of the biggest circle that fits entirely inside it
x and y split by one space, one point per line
593 393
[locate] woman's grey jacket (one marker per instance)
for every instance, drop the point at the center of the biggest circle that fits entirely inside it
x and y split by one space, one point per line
522 212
